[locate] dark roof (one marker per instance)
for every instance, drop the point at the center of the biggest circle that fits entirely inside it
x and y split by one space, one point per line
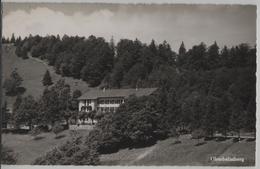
94 94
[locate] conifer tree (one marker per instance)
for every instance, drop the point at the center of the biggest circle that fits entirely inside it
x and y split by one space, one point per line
182 49
12 39
181 57
47 81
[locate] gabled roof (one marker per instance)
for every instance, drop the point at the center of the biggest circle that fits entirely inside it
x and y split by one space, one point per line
95 94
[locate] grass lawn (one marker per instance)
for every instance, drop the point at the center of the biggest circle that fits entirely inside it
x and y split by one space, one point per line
29 149
32 71
166 152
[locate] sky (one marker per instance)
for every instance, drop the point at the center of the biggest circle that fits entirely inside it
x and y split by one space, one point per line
226 24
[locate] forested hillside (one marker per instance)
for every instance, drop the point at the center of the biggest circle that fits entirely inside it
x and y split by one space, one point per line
223 80
204 88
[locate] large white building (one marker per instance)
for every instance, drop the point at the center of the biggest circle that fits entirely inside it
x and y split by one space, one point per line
109 99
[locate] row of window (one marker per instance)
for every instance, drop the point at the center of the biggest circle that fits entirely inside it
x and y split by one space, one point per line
106 109
116 101
84 108
103 109
111 101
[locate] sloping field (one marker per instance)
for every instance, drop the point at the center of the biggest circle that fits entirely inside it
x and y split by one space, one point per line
165 152
32 71
28 149
168 153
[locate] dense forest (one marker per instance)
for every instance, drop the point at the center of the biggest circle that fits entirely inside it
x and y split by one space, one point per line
205 87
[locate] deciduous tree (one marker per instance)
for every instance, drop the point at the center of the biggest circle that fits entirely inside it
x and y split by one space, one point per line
13 83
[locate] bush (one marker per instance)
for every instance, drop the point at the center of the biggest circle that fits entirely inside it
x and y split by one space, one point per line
74 152
99 115
198 134
43 128
57 128
13 83
105 141
8 156
174 133
35 132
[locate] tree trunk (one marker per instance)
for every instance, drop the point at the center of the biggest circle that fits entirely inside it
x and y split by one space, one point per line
30 126
239 135
52 124
67 123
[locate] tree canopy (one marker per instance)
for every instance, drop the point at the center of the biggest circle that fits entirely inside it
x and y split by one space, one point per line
13 83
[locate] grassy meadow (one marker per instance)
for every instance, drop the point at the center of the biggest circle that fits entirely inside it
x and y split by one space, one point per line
168 153
28 149
165 152
32 71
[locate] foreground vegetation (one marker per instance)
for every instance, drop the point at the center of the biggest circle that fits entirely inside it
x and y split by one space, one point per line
26 147
165 152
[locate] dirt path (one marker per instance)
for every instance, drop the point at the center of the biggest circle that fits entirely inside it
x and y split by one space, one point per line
39 61
143 155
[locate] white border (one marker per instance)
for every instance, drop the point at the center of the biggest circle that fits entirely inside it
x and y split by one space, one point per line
143 1
242 2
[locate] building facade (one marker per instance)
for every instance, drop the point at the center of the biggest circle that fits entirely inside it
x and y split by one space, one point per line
110 99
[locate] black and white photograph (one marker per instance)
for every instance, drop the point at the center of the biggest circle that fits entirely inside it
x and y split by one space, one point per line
128 84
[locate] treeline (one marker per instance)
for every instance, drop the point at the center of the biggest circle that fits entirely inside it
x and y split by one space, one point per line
98 62
13 39
90 59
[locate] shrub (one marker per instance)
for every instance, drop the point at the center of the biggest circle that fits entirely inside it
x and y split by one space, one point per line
99 115
174 133
198 134
74 152
105 141
13 83
43 128
35 132
57 128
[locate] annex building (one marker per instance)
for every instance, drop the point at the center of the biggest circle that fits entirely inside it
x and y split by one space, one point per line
109 99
